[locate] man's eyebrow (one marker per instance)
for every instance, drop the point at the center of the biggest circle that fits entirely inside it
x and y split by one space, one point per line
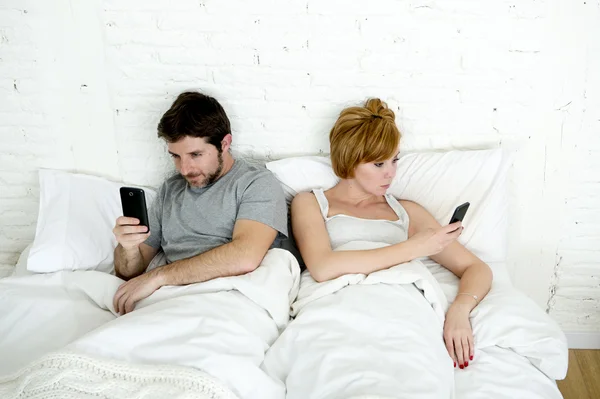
196 152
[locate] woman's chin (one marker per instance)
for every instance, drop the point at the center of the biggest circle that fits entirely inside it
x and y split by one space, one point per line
385 188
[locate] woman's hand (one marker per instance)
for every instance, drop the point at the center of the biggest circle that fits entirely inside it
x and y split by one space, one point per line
458 334
433 241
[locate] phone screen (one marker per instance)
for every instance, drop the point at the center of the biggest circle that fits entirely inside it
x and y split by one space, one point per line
133 201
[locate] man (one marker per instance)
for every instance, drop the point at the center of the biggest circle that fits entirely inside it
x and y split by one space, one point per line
216 218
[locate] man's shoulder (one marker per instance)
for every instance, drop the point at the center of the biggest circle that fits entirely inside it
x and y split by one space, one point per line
255 179
249 172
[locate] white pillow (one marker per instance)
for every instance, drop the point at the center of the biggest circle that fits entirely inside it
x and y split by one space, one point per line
298 174
76 216
437 181
440 181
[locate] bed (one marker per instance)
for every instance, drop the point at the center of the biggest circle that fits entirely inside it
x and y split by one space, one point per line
59 334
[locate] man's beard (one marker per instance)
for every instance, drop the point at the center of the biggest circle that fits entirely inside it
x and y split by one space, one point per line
210 179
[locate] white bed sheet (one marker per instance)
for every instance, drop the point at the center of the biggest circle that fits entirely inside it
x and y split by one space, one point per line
503 374
371 337
497 372
222 327
44 312
378 340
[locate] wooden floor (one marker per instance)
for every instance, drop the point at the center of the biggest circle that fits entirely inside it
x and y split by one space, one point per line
583 377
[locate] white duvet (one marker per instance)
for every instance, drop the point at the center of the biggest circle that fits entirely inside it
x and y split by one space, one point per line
222 327
376 336
380 336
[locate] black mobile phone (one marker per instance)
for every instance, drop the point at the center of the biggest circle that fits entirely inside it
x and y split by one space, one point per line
133 201
459 213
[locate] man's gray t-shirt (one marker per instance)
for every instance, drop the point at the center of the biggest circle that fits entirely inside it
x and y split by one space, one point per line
187 221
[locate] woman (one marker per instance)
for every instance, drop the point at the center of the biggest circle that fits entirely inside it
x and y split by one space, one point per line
364 149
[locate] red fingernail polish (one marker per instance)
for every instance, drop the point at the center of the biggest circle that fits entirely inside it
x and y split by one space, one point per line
461 367
471 357
454 364
466 364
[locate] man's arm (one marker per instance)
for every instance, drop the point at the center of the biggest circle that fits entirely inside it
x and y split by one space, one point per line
132 255
131 262
250 242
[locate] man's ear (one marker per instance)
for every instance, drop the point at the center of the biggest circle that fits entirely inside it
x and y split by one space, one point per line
226 143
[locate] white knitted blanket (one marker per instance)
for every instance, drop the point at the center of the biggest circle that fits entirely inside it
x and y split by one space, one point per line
66 375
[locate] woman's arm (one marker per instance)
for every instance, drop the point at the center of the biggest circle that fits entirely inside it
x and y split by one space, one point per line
475 276
325 264
475 280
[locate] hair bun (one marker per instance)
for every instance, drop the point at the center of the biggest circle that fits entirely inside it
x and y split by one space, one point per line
379 109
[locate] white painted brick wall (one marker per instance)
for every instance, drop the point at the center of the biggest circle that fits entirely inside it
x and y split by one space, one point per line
575 286
83 86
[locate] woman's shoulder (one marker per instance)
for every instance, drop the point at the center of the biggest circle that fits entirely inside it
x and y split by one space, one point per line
406 204
304 194
419 216
412 208
306 206
304 198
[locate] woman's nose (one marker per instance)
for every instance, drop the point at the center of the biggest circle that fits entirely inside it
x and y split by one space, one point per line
390 173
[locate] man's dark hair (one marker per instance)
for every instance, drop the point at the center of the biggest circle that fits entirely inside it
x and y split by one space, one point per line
197 115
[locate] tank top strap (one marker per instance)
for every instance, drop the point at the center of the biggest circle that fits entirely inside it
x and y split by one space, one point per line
397 207
322 200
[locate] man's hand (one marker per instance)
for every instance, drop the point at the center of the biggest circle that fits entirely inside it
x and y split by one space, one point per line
132 255
135 290
129 233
